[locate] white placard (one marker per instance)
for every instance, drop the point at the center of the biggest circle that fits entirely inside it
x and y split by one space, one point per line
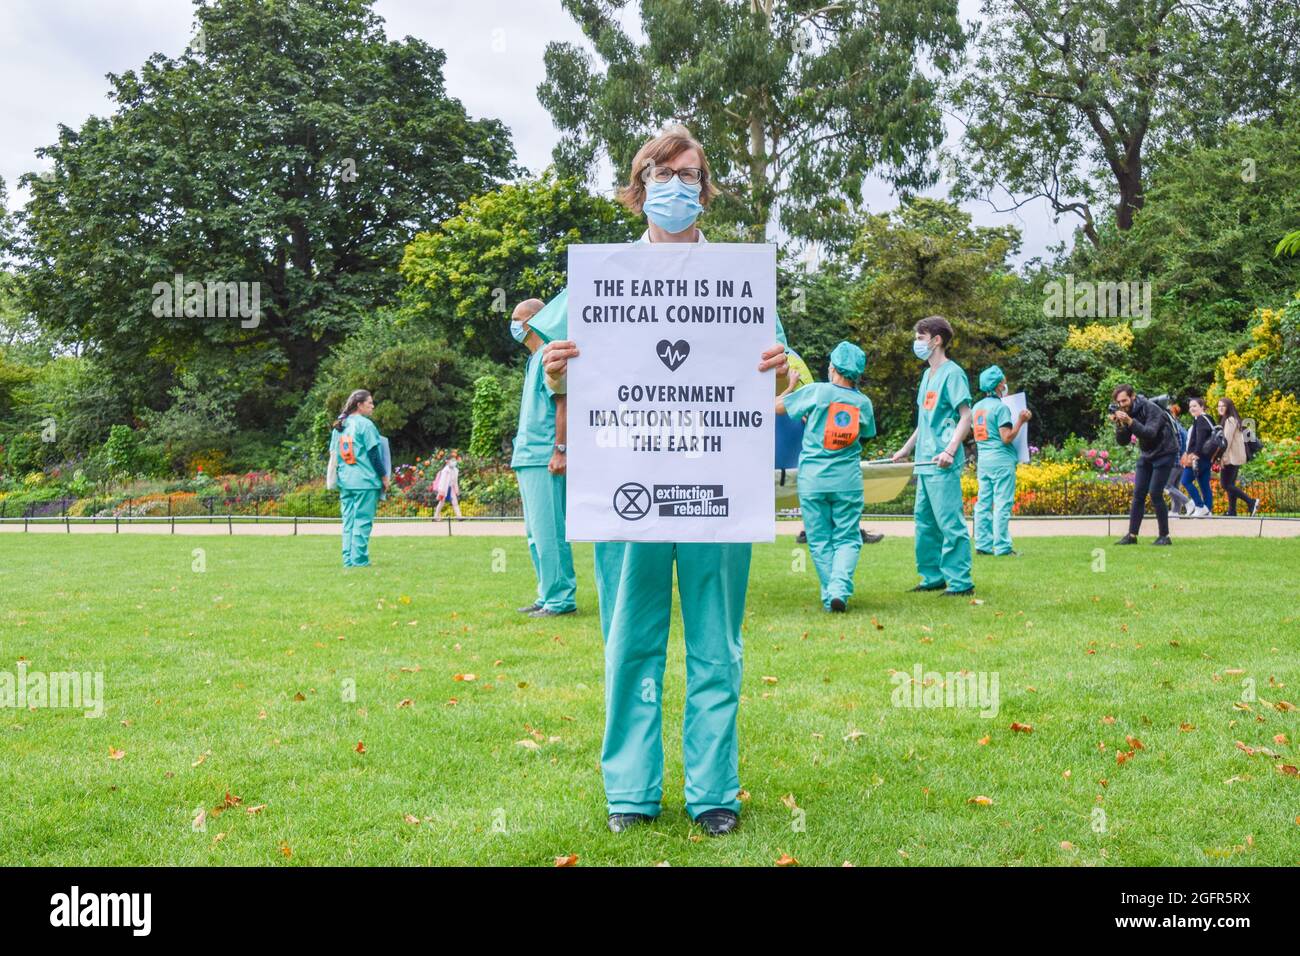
1016 403
670 429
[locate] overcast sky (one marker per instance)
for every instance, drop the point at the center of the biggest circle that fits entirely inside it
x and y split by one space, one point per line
54 55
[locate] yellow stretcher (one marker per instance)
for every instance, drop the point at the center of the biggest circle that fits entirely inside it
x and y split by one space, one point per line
882 480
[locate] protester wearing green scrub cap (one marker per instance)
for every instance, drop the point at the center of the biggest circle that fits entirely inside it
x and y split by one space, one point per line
837 419
995 466
540 462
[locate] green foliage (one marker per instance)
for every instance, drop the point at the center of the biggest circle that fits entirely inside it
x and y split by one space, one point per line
121 453
1062 101
802 99
489 403
926 258
299 149
502 247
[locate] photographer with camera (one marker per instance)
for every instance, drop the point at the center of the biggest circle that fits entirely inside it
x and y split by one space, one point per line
1137 416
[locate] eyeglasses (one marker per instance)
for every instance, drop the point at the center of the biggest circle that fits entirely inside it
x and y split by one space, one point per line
690 175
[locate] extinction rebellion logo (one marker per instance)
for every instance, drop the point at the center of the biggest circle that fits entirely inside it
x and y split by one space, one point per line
633 501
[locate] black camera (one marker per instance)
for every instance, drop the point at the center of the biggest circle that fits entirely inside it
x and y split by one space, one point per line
1112 408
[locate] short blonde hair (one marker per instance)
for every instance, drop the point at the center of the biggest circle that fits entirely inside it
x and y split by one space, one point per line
672 142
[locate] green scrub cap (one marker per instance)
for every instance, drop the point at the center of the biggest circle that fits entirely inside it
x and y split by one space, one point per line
990 379
849 360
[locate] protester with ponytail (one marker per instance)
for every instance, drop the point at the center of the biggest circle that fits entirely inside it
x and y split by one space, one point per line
357 470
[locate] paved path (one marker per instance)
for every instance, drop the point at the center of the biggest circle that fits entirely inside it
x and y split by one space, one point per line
1261 527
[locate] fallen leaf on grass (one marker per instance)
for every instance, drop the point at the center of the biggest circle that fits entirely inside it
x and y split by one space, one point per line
405 702
254 811
1186 727
982 801
785 859
412 819
984 741
115 754
528 744
1122 756
1067 845
464 677
299 697
1279 738
284 850
360 747
1108 719
570 860
1133 742
877 625
1022 728
790 802
202 757
769 680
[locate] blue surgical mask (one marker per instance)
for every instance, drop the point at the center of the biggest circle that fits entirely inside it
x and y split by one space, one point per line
672 206
517 331
922 350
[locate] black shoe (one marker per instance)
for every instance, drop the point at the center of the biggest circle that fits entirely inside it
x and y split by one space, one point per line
535 606
927 587
618 822
1162 540
969 592
1009 554
543 612
1128 539
871 537
718 822
803 538
1254 507
978 551
838 605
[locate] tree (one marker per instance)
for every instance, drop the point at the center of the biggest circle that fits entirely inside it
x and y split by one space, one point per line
489 404
795 102
292 147
1065 97
502 247
926 258
1204 244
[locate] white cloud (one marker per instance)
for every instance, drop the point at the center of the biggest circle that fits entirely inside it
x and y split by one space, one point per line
54 55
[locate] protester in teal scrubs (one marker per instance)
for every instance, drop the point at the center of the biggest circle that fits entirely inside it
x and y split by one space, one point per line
670 183
995 436
357 457
943 417
838 419
539 462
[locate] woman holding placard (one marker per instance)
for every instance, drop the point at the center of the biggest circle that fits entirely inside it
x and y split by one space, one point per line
670 183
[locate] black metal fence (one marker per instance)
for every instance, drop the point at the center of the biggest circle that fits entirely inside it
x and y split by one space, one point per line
1080 497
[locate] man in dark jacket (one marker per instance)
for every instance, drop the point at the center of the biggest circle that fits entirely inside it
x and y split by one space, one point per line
1137 416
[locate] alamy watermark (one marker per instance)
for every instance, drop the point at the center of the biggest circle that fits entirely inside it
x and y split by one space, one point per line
1098 300
926 689
208 300
58 689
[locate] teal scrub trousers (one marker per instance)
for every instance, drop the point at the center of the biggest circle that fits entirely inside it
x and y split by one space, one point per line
357 506
634 583
993 511
552 557
942 541
830 519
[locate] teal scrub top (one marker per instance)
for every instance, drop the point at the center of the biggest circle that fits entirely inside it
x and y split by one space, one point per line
838 420
987 418
942 393
535 437
365 436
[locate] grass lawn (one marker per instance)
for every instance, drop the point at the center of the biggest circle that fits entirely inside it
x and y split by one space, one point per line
233 680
